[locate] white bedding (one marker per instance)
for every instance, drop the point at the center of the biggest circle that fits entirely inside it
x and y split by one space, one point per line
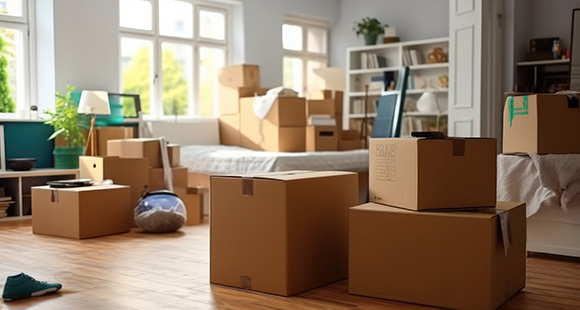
223 159
541 181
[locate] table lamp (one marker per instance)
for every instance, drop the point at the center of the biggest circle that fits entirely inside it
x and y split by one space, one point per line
93 102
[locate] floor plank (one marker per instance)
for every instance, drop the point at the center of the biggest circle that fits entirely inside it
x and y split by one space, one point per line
170 271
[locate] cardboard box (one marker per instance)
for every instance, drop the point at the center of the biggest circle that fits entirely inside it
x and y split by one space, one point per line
283 129
133 172
105 134
285 112
174 154
337 97
321 138
453 259
80 212
193 200
229 98
274 139
424 174
240 76
347 145
290 230
320 94
136 148
230 130
157 180
324 106
543 124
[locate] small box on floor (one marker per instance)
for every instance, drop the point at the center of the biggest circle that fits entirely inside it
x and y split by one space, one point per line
281 233
472 259
193 200
542 123
423 174
81 212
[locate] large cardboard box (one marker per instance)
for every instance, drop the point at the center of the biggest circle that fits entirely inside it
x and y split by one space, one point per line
543 124
230 130
318 107
285 112
174 154
321 138
423 174
240 76
105 134
133 172
283 129
80 212
229 98
455 259
136 148
281 233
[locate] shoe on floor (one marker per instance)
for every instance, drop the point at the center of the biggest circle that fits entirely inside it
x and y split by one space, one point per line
24 286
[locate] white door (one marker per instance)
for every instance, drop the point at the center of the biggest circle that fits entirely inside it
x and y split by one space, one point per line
474 67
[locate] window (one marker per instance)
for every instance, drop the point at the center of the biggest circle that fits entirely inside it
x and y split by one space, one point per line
305 49
14 57
170 54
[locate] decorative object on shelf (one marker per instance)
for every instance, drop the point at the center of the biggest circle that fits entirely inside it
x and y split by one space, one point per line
427 103
390 35
68 126
443 81
20 164
419 82
93 102
437 56
370 28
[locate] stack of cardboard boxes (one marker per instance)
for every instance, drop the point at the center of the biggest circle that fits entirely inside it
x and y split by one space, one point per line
136 165
433 233
284 128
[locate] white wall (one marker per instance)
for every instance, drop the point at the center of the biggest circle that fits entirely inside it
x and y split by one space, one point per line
263 21
414 20
87 44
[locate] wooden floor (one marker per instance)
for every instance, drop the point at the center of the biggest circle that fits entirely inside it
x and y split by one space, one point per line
170 271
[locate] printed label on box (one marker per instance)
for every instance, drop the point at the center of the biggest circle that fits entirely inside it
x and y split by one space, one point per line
386 155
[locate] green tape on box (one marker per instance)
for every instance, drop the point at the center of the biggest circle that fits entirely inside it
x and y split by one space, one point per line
517 111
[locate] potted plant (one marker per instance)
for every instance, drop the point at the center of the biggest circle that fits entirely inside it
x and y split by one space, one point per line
370 28
68 126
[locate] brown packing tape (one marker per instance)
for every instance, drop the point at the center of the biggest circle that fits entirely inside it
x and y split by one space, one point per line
458 147
247 186
326 133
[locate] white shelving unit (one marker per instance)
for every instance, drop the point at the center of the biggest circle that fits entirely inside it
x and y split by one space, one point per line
423 77
17 185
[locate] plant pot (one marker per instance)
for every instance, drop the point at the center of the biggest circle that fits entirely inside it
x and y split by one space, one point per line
371 39
67 157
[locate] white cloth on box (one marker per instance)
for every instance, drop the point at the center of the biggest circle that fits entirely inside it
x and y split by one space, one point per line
263 104
538 180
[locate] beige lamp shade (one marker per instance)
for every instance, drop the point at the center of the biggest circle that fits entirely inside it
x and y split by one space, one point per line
331 78
94 102
427 103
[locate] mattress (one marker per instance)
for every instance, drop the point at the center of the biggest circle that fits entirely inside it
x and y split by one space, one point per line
223 159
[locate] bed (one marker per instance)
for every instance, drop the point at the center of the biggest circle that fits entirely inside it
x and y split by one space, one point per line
550 187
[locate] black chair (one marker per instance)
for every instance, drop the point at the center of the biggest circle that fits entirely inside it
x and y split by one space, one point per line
387 123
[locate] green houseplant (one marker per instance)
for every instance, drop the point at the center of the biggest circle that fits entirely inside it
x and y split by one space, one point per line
68 126
370 28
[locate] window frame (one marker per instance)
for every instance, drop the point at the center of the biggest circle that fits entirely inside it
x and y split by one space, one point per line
304 55
156 111
26 96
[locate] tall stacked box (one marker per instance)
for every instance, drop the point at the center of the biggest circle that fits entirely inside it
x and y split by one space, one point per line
281 233
235 82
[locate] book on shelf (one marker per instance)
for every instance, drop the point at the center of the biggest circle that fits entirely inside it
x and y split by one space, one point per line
363 60
377 83
5 198
406 58
321 120
415 57
382 60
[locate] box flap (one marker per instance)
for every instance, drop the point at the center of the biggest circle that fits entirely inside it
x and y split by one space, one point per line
471 212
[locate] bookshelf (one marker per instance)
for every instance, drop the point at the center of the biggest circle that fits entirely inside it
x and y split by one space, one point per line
371 65
17 185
